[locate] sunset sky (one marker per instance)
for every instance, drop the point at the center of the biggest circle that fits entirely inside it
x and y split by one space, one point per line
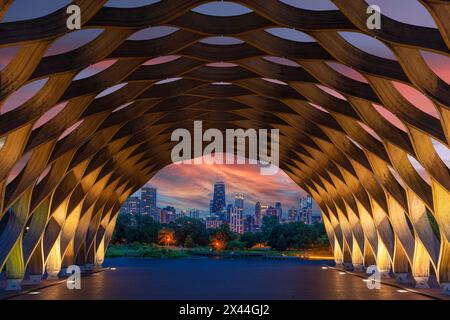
188 186
191 186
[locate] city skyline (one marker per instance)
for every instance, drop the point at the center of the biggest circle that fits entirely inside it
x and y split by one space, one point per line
191 186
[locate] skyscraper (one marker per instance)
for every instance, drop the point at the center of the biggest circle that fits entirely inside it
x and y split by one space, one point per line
279 210
219 197
148 200
237 220
239 200
249 223
131 206
264 211
306 209
258 218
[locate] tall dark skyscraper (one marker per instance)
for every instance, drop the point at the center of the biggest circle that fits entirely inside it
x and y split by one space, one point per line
219 196
279 210
148 200
258 218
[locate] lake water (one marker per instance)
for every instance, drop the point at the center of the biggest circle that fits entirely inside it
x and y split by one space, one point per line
225 279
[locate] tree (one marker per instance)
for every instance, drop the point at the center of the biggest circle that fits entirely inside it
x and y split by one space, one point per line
189 243
268 224
259 238
166 236
224 234
121 231
221 236
249 239
190 227
236 245
281 243
148 229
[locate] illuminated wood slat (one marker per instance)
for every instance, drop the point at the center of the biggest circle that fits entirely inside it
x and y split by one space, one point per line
373 200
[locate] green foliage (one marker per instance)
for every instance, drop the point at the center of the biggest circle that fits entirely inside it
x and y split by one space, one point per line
281 243
139 250
194 228
189 242
268 224
236 245
223 234
297 235
140 228
132 233
249 239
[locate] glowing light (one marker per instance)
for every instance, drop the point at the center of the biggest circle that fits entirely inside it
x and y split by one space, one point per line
342 273
402 291
324 268
34 293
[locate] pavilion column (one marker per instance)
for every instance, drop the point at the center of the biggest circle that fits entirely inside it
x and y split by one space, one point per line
15 267
427 246
383 259
369 256
338 253
36 266
400 265
69 257
358 240
444 266
421 265
100 254
357 257
54 261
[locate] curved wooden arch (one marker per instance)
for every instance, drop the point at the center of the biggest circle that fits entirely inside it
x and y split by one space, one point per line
64 203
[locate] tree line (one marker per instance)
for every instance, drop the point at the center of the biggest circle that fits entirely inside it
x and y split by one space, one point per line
189 233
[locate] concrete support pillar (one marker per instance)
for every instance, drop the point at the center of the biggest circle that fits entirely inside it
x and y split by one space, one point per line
34 279
13 285
422 282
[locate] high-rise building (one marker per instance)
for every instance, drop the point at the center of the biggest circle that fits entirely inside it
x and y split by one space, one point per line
131 206
168 215
194 213
279 210
258 218
271 211
218 197
213 222
309 201
229 210
293 215
237 220
305 210
211 206
239 200
264 211
148 200
249 223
